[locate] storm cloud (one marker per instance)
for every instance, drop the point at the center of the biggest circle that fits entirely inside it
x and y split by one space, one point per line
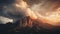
9 10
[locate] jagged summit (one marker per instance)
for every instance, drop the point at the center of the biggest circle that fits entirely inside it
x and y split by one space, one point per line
28 22
28 25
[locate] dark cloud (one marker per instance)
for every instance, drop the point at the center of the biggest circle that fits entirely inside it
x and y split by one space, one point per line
9 10
5 2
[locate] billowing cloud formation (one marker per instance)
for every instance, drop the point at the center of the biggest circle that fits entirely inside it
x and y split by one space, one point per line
46 6
13 10
48 10
4 20
19 8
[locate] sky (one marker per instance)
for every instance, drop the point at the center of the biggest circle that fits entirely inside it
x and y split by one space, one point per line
9 10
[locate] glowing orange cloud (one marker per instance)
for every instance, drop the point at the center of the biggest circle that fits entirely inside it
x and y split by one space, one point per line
50 17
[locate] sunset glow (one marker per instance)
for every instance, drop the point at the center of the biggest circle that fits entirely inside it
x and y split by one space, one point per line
52 17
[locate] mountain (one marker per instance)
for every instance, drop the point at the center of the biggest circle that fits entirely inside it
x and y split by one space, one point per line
27 25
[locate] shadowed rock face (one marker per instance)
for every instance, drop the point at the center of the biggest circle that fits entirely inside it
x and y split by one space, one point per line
28 25
27 22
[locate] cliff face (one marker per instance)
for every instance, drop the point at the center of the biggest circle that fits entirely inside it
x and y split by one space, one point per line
28 22
28 25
